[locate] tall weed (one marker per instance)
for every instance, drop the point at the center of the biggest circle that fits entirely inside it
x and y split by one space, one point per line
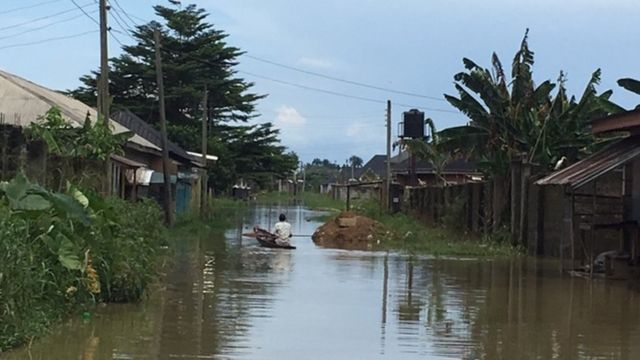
66 251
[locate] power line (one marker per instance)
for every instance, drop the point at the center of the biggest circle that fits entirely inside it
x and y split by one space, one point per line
29 22
335 93
41 27
125 29
346 81
342 116
85 13
48 40
330 92
111 31
125 13
29 6
44 26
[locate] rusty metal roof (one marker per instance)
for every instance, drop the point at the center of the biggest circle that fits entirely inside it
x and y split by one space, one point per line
596 165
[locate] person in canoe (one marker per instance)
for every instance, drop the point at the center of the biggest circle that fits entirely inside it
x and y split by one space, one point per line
282 230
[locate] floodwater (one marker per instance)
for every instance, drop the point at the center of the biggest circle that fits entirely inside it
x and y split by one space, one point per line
230 299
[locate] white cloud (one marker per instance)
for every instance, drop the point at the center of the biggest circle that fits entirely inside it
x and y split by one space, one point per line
315 62
288 116
355 129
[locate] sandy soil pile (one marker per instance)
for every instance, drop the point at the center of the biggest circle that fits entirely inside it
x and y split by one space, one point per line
350 231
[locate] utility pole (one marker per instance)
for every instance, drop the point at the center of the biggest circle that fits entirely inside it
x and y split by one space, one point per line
205 137
103 85
168 208
104 64
388 177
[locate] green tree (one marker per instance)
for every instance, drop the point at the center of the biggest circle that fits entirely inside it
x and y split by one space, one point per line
515 117
320 172
428 150
195 55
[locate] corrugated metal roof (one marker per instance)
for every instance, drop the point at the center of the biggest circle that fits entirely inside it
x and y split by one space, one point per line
22 102
596 165
131 121
127 162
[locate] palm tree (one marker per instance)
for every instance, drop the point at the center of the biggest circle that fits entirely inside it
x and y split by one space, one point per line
355 162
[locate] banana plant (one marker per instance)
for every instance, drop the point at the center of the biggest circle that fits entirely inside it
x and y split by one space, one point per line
514 116
57 215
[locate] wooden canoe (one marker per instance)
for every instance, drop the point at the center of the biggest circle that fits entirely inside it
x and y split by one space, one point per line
267 239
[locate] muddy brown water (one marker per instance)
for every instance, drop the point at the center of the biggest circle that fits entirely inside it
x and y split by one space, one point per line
227 298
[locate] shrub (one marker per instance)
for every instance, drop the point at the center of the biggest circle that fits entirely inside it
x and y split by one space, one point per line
60 252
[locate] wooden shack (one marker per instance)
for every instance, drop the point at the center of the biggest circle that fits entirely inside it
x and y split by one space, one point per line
592 207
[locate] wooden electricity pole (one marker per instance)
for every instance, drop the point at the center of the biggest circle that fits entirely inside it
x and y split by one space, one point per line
103 86
205 137
168 208
387 201
104 64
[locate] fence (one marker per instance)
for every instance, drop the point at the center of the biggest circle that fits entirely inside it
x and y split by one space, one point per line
482 207
463 205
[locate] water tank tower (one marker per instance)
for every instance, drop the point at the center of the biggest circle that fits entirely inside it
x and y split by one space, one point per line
413 125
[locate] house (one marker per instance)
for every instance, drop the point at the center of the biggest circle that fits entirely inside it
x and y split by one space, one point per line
135 174
21 103
592 207
184 170
455 171
374 169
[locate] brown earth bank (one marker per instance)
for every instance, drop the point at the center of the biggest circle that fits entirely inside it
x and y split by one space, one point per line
350 231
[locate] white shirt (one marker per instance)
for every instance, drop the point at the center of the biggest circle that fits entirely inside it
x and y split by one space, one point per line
282 231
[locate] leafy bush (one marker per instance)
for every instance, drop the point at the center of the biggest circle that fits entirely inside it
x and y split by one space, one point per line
91 141
59 252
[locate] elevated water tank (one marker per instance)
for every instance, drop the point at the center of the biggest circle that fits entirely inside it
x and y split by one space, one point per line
413 124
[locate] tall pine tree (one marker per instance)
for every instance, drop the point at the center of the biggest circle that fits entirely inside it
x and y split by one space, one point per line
196 54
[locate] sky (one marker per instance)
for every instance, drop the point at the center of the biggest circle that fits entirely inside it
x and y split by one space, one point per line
411 46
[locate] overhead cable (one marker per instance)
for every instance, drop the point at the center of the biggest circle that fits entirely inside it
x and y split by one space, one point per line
29 6
346 81
48 40
30 22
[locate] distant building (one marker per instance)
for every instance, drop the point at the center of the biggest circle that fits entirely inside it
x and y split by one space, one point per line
149 180
455 171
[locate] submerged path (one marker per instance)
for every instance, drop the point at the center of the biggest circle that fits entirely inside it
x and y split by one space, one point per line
227 298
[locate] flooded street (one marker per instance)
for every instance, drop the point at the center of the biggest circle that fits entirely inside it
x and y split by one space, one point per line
230 299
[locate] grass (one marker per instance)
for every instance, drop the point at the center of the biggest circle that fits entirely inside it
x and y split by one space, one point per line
312 200
62 259
222 212
413 236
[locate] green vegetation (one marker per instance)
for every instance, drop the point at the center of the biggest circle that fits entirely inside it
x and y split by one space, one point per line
515 116
221 214
413 236
312 200
62 252
91 141
197 55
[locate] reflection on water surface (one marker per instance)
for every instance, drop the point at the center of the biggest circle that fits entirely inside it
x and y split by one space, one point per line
227 298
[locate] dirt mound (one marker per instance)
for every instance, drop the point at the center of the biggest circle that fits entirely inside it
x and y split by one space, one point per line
350 231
